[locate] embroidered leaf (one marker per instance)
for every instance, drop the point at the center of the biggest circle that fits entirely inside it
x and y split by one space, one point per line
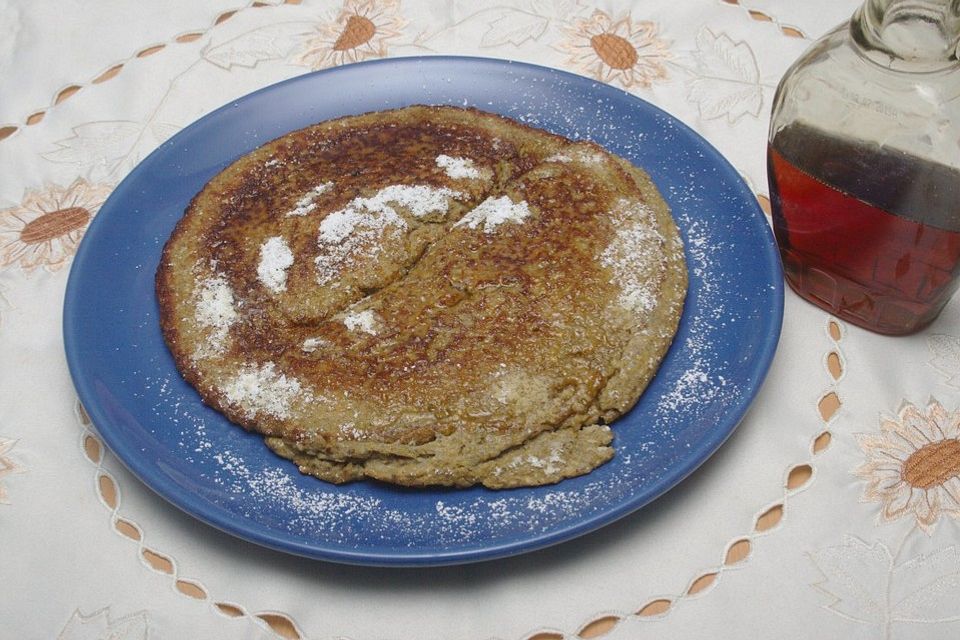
931 587
946 356
99 626
561 9
96 144
729 78
733 102
725 59
272 42
163 131
515 27
856 577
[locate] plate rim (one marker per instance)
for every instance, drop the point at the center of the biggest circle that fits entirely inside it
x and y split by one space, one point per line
224 521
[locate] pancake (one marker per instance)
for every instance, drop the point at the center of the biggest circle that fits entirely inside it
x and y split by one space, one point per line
425 296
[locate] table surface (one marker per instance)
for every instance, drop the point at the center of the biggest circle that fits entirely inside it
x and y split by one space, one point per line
804 524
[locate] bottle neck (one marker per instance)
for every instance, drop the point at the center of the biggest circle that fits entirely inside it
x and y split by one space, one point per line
909 35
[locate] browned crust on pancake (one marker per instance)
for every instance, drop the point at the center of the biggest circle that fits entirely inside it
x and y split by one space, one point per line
292 147
405 452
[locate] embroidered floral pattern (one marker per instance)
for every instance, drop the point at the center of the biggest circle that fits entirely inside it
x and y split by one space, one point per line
946 357
726 80
7 466
45 229
626 52
913 465
107 149
869 584
100 625
360 32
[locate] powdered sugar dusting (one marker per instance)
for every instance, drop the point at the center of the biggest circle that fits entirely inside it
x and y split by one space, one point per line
701 383
215 303
349 431
365 321
359 227
458 168
261 389
493 212
549 464
359 215
312 344
214 309
263 484
420 200
275 259
271 484
352 518
577 155
634 252
306 204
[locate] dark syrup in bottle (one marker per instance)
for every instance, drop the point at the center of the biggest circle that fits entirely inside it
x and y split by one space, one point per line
870 234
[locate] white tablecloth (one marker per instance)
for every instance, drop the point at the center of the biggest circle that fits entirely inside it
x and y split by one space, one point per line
804 524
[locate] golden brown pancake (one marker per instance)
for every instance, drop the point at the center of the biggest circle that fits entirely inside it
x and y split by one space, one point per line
425 296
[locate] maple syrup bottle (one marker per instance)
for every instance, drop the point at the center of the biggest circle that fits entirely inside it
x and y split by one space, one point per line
863 161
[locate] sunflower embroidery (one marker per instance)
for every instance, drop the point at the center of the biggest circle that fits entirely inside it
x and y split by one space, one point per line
627 52
913 465
360 32
45 229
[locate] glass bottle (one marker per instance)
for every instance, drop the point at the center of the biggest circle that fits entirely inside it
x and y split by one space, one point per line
864 166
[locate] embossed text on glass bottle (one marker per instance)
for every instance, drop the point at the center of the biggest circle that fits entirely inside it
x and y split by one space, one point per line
864 166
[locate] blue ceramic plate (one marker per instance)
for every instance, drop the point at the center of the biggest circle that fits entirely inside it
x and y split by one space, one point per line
192 456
